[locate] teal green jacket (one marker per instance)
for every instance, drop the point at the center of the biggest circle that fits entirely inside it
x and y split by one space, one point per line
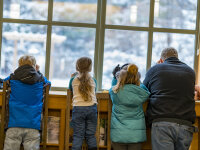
127 120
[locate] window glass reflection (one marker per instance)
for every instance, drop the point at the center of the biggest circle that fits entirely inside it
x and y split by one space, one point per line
25 9
184 43
22 39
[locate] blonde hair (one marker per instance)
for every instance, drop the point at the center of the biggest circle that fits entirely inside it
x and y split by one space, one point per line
128 76
84 66
27 60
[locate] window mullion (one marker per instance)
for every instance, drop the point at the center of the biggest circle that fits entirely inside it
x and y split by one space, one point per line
97 39
101 44
150 36
1 25
1 9
197 38
48 41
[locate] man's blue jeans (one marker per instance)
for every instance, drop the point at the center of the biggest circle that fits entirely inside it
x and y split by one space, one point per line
171 136
84 122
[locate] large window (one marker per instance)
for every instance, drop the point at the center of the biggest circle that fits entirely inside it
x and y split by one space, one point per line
70 44
25 9
84 11
175 14
21 39
128 12
184 43
111 32
122 47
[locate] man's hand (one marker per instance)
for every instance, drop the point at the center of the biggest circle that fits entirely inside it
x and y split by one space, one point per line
197 92
160 61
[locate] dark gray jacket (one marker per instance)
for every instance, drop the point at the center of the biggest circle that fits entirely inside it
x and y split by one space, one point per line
27 74
171 85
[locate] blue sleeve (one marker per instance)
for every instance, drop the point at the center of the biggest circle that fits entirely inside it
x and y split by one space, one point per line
70 83
144 87
95 84
114 81
46 81
111 93
8 78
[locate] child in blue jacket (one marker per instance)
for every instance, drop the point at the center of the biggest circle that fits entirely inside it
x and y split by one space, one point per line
128 128
25 106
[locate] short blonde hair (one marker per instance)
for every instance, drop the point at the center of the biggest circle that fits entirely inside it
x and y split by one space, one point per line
27 60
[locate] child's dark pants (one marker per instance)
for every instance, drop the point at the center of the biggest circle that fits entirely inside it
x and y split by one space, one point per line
84 122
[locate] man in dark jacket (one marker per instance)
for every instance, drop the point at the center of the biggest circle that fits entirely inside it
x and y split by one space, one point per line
25 106
171 109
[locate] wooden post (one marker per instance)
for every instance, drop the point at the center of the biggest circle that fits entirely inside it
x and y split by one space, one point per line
62 130
198 118
109 120
45 117
3 115
67 126
98 123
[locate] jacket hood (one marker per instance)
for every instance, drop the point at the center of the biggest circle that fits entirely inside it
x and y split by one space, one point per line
27 74
131 95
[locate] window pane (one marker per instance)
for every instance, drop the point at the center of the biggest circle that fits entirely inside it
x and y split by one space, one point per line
78 11
25 9
184 43
179 14
128 12
21 39
68 44
123 47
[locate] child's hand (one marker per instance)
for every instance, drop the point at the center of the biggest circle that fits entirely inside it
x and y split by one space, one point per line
115 70
125 66
74 74
37 67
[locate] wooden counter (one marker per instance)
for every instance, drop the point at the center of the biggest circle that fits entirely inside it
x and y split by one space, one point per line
57 107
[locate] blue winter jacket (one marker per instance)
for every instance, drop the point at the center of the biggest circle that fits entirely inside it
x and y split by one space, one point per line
127 120
25 103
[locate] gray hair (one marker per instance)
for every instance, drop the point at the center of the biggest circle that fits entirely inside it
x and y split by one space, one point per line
169 52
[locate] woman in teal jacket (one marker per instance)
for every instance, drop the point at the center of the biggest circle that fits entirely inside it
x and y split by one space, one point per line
128 128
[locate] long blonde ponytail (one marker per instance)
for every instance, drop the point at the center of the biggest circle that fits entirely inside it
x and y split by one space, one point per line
128 76
84 66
